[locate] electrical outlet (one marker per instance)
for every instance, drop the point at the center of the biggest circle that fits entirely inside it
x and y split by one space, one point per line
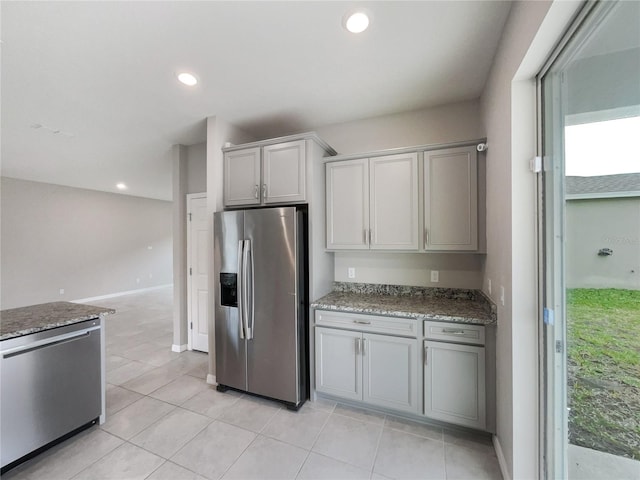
62 291
351 272
435 276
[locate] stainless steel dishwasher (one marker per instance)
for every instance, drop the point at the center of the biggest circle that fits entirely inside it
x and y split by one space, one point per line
50 385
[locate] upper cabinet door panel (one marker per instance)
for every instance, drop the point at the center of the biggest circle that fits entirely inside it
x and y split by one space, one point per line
451 199
284 172
348 204
393 191
242 177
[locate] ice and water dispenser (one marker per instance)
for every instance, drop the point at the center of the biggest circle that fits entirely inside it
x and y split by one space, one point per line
229 289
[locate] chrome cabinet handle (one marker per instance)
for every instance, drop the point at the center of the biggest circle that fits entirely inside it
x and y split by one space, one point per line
357 346
256 191
426 238
362 322
453 331
426 355
264 190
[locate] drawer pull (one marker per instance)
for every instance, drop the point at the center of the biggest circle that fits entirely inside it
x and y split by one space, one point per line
362 322
453 331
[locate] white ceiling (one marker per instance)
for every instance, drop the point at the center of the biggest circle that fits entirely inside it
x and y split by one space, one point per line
103 74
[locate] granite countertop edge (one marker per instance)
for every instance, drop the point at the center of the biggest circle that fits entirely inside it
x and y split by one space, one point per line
367 296
78 313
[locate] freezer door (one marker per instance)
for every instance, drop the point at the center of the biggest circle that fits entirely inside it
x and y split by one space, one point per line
272 353
230 352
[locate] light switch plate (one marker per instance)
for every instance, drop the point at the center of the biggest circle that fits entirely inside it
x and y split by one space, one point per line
435 276
351 272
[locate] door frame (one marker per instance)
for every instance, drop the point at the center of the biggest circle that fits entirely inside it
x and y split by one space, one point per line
553 414
190 197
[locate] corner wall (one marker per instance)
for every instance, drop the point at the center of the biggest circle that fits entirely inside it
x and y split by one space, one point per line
508 106
86 242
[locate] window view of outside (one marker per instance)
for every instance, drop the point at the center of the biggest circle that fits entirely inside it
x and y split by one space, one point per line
602 192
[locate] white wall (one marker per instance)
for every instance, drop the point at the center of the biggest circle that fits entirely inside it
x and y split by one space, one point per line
86 242
603 223
444 124
197 168
508 106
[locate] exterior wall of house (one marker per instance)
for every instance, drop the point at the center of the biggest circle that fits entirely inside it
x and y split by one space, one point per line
86 242
595 224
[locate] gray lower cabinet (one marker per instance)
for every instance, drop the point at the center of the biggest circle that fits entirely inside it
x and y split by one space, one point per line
454 383
376 360
377 369
338 363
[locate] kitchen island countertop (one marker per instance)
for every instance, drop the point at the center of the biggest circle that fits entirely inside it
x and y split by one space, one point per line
17 322
422 303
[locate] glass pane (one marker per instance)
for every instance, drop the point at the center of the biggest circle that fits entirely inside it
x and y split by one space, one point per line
591 208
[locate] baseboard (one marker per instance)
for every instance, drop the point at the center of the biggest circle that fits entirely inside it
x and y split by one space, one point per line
211 379
178 348
119 294
501 460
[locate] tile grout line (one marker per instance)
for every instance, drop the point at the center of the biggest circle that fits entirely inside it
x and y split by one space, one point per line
375 455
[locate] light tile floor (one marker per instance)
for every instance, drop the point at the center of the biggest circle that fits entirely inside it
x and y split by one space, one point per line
165 422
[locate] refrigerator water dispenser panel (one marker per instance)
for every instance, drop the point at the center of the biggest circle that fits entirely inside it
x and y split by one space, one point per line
229 289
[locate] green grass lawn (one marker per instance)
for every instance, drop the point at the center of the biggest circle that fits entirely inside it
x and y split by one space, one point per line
603 334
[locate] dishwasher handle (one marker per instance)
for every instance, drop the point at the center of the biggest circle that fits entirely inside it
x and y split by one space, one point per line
49 342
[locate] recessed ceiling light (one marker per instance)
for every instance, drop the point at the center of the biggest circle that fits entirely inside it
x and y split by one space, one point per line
357 22
121 186
187 78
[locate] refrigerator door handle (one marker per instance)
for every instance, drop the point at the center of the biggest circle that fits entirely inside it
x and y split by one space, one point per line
240 290
247 286
246 294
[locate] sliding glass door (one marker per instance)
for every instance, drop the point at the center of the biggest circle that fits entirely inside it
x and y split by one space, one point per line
590 255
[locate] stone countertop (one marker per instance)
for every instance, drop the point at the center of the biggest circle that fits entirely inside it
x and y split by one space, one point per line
422 303
17 322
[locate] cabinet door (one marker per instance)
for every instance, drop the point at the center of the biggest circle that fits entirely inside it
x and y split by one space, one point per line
284 177
390 368
451 199
454 384
348 204
338 363
242 177
393 192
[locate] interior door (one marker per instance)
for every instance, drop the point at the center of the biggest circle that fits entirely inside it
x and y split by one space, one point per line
272 354
198 292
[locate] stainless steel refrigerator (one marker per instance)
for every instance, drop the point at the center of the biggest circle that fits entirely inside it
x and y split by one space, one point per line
261 303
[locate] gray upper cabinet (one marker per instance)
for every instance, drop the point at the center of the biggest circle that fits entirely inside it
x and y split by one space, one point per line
348 204
393 192
372 203
284 173
451 199
270 174
242 177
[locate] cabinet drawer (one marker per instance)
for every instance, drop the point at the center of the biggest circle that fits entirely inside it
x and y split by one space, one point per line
402 327
454 332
